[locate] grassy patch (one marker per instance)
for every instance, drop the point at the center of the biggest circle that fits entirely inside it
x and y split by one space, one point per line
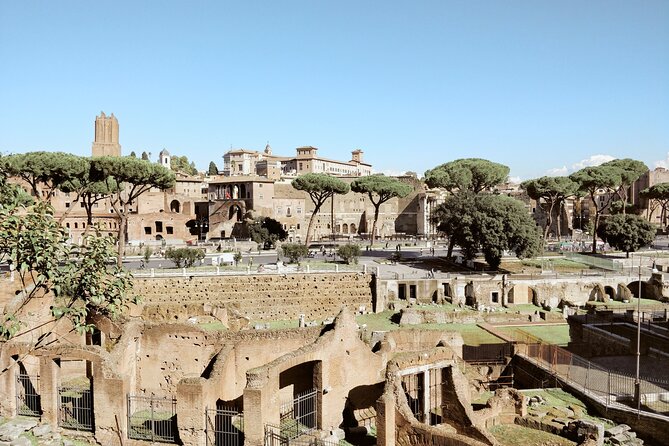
560 399
472 334
378 321
535 266
512 435
553 334
213 326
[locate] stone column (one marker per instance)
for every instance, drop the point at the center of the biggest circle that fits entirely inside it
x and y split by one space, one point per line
385 420
110 410
426 397
190 411
254 418
49 379
8 407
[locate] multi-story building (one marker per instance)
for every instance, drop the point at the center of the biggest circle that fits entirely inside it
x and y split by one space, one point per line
243 162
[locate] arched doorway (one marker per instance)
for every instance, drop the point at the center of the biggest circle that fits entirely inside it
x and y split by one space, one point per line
175 206
235 213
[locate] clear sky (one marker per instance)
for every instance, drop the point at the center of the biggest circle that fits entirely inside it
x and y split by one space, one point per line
538 85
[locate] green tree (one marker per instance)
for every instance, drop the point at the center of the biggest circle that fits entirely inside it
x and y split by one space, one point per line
266 232
349 253
553 191
35 246
181 164
592 181
380 189
320 187
472 174
145 156
45 172
294 251
630 171
11 195
134 177
658 195
491 224
213 169
88 192
626 232
133 154
184 257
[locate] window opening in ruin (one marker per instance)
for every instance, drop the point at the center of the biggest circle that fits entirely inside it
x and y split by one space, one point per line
413 386
447 289
75 408
175 206
169 229
147 230
494 297
159 226
412 291
300 413
224 426
28 399
152 418
402 291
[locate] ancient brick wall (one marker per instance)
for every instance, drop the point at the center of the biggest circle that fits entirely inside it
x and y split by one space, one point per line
258 297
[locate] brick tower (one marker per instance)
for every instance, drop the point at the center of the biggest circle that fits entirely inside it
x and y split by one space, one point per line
106 136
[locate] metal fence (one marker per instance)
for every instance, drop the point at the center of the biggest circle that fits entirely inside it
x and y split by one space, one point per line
75 410
413 386
152 418
225 427
253 270
275 436
299 415
28 400
598 262
608 386
487 353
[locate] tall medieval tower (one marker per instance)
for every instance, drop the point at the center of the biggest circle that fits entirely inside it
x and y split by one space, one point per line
106 136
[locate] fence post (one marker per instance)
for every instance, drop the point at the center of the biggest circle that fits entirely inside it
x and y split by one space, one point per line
336 267
608 393
308 268
183 271
153 421
218 270
364 268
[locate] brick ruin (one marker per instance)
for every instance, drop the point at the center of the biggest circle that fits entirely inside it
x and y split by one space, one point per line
212 384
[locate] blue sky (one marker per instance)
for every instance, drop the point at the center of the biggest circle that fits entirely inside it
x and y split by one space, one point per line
542 86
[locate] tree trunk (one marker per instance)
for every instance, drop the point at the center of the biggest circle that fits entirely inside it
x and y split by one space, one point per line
121 237
66 213
311 222
332 218
376 217
558 223
451 245
549 222
594 232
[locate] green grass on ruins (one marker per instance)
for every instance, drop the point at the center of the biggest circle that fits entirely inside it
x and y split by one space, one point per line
553 334
534 266
472 334
513 435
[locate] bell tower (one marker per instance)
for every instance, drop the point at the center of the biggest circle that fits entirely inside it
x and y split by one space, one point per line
106 136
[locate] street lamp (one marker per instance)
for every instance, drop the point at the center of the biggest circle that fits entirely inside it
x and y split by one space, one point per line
637 382
202 225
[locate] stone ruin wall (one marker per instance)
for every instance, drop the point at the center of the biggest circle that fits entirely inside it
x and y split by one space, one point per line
166 354
258 297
